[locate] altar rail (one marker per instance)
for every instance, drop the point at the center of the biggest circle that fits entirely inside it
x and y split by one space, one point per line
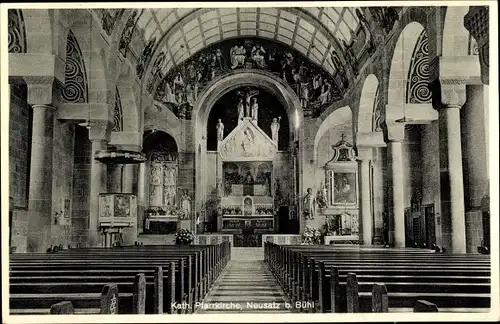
210 239
282 239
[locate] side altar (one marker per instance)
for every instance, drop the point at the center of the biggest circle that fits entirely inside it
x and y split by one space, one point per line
245 178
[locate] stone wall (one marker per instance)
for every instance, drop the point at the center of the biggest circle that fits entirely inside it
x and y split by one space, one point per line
19 146
19 163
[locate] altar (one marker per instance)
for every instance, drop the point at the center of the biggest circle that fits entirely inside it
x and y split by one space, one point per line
245 180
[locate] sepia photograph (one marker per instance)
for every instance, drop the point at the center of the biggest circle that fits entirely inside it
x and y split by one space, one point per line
249 162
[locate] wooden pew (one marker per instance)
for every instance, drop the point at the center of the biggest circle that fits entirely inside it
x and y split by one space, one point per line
408 276
75 271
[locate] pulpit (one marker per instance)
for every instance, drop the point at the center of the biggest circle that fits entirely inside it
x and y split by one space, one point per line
117 213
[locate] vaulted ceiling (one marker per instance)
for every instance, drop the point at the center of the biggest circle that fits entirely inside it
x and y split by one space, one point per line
181 32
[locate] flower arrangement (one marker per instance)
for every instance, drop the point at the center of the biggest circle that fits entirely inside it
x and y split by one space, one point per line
184 237
311 236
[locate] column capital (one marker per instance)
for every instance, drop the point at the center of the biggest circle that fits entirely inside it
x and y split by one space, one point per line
48 107
364 153
100 130
41 90
448 93
395 131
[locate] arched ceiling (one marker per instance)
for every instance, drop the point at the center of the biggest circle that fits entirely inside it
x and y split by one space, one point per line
181 32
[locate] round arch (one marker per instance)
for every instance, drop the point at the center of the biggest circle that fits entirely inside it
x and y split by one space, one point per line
240 78
128 100
366 102
455 40
222 85
38 30
399 68
340 116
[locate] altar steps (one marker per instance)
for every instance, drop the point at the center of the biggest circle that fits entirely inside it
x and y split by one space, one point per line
156 239
246 282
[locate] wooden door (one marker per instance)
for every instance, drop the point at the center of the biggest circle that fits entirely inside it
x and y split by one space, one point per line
430 226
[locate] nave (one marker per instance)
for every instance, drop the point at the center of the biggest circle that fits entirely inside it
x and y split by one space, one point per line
218 279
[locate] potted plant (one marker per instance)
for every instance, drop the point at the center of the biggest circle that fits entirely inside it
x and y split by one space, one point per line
184 237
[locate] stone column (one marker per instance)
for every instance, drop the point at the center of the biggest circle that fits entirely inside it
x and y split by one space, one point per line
395 132
365 155
451 100
127 178
40 216
114 179
475 157
99 136
141 195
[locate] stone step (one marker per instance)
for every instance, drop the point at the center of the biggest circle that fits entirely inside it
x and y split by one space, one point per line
236 298
247 293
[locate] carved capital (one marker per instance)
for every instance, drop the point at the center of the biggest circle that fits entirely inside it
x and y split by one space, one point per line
41 90
395 131
100 129
447 93
364 153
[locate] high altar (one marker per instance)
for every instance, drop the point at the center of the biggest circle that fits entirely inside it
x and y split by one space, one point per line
245 178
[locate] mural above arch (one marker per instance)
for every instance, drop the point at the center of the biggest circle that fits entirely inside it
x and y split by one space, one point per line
417 89
315 87
75 87
17 32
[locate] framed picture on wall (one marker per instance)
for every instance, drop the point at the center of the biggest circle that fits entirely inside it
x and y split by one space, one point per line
344 188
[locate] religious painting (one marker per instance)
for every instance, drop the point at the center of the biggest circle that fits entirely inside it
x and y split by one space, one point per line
247 206
106 204
344 188
122 205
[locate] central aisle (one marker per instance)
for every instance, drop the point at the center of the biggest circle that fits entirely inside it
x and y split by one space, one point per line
246 282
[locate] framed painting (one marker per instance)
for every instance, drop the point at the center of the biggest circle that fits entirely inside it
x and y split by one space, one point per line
344 188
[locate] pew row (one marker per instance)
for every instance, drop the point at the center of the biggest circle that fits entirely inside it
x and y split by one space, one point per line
320 275
37 281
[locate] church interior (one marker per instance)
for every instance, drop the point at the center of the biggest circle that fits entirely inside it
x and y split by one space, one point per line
256 128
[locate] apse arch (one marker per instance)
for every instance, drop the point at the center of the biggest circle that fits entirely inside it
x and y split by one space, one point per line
366 102
222 85
240 78
340 116
400 67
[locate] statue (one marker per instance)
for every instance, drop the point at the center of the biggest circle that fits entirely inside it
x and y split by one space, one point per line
325 93
220 131
169 93
237 55
255 109
304 94
309 205
275 127
241 109
178 83
186 204
258 53
247 142
322 193
277 189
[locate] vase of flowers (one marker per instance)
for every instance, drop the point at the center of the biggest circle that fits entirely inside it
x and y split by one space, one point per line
184 237
311 236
